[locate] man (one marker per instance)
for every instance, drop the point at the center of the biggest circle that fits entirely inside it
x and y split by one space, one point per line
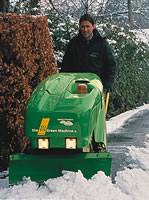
89 52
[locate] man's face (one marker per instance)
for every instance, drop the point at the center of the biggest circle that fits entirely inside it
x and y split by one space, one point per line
86 29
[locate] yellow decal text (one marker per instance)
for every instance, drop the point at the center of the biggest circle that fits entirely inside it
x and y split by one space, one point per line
43 126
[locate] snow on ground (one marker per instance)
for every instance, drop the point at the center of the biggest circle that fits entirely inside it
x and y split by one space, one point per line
116 122
143 35
131 184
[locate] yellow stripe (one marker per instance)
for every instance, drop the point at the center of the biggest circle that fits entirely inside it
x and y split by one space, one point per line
43 126
107 101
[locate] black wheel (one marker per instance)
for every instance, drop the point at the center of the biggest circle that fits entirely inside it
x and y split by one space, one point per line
98 146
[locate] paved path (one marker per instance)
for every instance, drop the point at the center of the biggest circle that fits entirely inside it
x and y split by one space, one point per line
131 133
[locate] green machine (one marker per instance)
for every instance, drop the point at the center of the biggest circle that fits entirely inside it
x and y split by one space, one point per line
65 121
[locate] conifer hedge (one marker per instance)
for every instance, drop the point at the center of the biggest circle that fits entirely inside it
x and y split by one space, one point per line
130 88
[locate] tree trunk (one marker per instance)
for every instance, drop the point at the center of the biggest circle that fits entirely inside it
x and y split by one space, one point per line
130 15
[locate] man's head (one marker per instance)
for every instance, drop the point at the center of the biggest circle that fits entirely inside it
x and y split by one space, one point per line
87 25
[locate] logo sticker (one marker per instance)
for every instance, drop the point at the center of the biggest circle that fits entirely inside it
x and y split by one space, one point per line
43 126
66 122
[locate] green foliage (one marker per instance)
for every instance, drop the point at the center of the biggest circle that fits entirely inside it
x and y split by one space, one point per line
62 30
132 72
23 6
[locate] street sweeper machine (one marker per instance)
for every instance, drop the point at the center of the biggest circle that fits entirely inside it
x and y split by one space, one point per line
65 122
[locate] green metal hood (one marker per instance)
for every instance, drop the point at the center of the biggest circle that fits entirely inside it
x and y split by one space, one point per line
47 94
59 86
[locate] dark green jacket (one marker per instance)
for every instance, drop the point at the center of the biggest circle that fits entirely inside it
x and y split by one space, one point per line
94 56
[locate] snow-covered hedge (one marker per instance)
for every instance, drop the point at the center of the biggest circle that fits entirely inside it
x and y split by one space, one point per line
132 73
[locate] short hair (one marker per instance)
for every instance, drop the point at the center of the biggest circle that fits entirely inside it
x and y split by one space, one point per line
87 17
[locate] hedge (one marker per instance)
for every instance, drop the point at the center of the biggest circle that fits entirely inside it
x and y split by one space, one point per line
26 58
130 88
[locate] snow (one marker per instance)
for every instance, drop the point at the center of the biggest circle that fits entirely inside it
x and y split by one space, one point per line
130 184
116 122
142 35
